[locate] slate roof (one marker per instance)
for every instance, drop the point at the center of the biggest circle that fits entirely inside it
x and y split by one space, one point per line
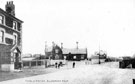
28 59
74 51
97 57
5 13
71 50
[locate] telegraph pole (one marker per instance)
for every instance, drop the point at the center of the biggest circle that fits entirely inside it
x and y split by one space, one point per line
99 52
45 62
77 45
45 47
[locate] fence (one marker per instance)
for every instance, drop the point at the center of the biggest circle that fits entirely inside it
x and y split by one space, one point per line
33 63
45 62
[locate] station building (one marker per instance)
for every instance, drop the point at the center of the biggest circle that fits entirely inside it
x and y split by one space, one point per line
56 52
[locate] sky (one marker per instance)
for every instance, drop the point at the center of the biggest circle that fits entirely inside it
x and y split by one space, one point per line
108 25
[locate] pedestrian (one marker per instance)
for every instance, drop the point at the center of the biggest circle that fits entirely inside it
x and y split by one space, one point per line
73 64
56 65
45 64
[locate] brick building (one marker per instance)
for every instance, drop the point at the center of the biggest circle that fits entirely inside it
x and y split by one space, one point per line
75 53
56 52
10 38
53 52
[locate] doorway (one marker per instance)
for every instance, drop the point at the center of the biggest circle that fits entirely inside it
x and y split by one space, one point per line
16 55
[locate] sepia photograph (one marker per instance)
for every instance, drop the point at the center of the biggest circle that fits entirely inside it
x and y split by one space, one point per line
67 42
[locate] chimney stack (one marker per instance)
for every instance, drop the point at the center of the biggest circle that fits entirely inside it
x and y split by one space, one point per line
45 46
10 8
53 44
77 45
61 45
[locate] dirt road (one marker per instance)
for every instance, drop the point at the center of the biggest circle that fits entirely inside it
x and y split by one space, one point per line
85 74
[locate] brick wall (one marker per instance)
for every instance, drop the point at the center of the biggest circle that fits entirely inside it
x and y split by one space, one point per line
9 21
5 58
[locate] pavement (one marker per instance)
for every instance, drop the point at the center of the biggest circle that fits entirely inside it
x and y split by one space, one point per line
84 74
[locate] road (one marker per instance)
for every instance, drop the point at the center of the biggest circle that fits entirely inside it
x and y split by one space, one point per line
85 74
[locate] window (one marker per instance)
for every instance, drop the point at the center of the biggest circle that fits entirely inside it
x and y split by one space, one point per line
1 19
56 51
14 25
15 39
19 26
9 41
1 36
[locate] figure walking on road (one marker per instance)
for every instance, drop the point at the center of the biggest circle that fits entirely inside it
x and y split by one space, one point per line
73 64
56 64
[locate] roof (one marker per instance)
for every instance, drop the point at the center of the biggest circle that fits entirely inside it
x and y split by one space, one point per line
5 13
26 55
74 51
28 59
36 55
97 57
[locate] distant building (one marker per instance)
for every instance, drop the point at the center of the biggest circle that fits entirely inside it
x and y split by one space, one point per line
26 55
98 57
56 52
75 54
10 38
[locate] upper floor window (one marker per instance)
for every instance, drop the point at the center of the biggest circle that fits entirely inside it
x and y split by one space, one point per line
19 26
1 19
15 39
9 41
14 25
1 36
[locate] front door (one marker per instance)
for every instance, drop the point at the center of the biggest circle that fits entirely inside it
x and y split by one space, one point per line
16 60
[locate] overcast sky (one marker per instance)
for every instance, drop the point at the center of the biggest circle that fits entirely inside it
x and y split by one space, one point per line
108 23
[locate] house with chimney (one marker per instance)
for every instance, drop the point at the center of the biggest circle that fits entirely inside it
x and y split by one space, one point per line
10 38
57 52
74 54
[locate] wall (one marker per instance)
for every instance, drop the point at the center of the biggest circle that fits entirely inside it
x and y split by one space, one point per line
5 58
96 61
